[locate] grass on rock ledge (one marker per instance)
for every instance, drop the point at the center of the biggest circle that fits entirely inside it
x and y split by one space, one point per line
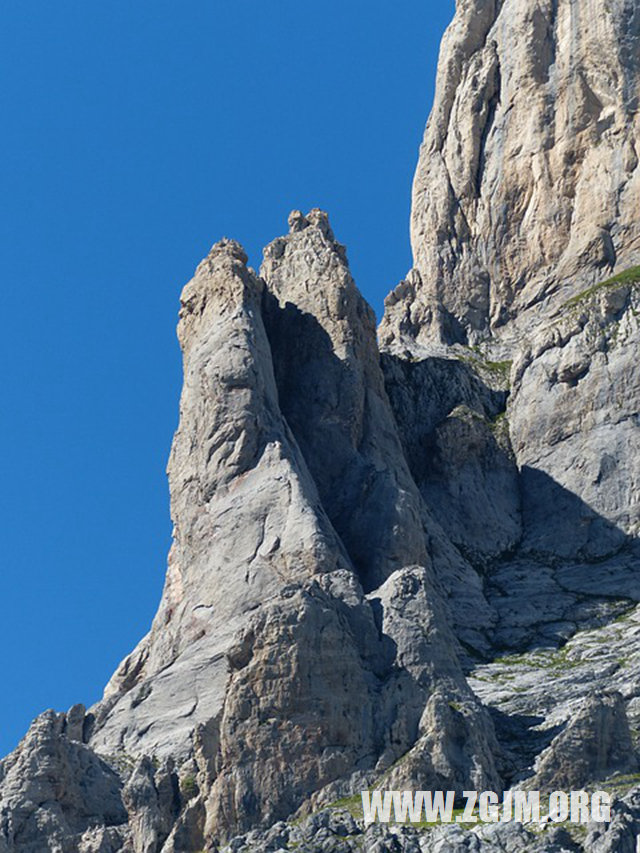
630 276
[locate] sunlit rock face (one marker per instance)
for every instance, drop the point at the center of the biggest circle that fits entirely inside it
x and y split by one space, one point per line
405 557
303 643
526 243
527 187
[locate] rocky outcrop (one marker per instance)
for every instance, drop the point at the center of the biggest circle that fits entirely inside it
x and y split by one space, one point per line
332 394
56 788
595 745
579 377
621 834
247 519
451 415
405 564
338 831
252 544
303 645
56 794
153 801
434 713
523 207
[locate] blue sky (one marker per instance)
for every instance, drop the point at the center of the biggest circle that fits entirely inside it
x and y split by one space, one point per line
134 136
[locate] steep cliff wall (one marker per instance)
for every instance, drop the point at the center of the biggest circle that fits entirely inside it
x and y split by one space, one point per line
528 185
363 531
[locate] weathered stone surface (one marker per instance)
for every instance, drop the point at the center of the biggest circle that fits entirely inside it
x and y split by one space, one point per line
450 413
440 734
574 427
528 184
338 832
247 518
332 394
595 744
621 834
290 490
54 790
299 712
361 537
546 696
152 800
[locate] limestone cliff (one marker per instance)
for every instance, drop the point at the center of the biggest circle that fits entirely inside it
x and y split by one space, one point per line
409 562
528 184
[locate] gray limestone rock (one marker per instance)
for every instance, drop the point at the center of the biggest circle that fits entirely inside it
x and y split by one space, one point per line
621 834
247 519
365 534
574 427
451 416
595 744
152 801
299 712
53 790
332 394
290 490
527 186
337 832
441 735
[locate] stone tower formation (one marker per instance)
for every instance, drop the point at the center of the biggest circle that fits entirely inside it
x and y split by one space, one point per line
403 557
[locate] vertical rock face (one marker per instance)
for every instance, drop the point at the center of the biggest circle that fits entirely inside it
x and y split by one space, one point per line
528 186
595 744
453 429
332 394
358 530
574 426
246 512
54 790
270 680
526 247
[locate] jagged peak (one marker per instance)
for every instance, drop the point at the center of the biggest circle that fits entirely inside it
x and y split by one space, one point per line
316 218
222 282
232 248
313 230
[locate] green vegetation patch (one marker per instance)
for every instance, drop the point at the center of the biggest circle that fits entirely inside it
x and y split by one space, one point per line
626 616
555 661
630 276
502 367
188 787
621 783
351 804
477 361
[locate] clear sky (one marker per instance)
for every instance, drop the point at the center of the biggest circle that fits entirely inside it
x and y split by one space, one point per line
134 136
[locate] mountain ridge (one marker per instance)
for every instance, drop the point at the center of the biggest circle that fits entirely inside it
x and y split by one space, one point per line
372 526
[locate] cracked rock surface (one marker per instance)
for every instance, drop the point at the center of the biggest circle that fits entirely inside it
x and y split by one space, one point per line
527 185
403 558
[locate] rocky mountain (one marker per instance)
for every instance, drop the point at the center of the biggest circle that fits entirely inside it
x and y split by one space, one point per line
405 557
527 185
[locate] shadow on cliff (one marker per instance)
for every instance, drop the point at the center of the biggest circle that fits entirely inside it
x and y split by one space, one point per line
322 399
316 393
522 739
531 540
559 523
423 393
572 570
337 410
